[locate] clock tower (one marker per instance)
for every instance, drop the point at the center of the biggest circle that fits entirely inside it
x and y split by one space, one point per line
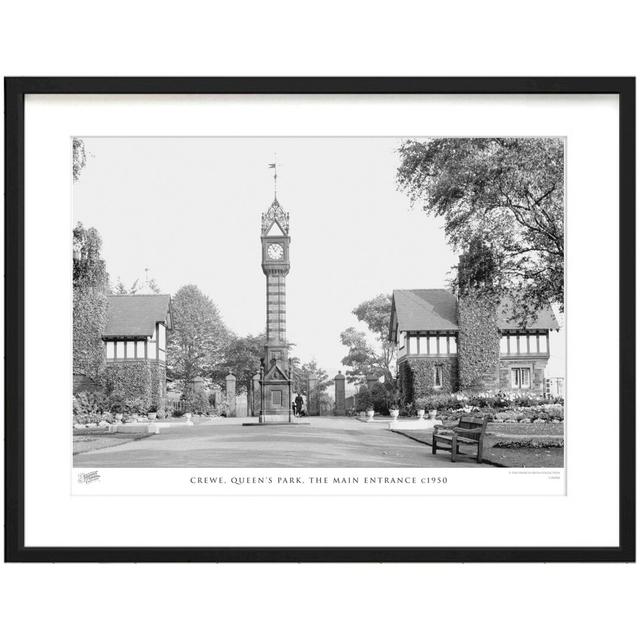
276 390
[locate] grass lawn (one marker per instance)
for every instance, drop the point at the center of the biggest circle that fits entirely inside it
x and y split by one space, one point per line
522 456
101 439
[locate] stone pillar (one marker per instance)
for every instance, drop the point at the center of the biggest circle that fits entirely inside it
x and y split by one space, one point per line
197 384
371 380
313 406
231 394
339 385
255 395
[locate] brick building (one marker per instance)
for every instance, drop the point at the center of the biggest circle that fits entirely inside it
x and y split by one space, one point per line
447 344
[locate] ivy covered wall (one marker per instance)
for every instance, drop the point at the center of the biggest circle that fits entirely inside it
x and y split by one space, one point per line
89 321
137 382
131 381
416 377
478 341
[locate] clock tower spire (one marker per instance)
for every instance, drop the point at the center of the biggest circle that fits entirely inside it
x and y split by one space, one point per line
275 239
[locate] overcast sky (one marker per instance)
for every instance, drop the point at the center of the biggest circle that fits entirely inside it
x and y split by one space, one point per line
189 209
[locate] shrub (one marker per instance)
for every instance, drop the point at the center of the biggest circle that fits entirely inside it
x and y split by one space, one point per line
380 398
363 399
421 404
136 406
197 402
90 402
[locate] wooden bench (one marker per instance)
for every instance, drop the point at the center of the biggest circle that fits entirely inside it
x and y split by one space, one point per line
469 431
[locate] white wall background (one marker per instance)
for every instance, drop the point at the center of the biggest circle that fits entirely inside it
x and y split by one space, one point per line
328 38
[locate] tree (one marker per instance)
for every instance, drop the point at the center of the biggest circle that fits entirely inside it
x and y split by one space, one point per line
508 194
89 269
363 358
79 158
121 290
90 285
242 358
199 339
301 371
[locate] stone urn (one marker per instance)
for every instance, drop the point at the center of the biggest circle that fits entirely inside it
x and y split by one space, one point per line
370 414
420 414
394 413
152 415
432 414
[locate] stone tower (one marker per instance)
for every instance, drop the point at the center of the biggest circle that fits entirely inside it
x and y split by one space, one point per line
275 265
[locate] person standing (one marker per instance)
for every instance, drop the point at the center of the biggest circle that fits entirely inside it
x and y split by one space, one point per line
298 403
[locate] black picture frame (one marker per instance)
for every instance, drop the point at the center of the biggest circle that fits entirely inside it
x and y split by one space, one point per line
15 91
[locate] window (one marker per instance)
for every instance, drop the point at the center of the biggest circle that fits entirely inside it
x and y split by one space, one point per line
513 344
162 336
521 378
504 344
119 349
422 345
433 345
151 350
544 347
522 344
442 345
131 349
111 349
140 349
453 345
437 376
413 344
533 344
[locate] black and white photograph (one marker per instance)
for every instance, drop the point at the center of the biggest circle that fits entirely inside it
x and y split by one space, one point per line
365 312
378 303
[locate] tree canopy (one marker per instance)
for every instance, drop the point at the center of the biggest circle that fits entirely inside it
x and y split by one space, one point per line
300 371
89 269
242 358
364 358
199 339
79 158
135 287
90 285
507 194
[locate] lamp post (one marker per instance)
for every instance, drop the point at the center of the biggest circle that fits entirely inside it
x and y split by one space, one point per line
289 376
261 390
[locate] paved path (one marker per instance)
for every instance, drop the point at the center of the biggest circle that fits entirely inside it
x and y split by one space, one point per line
326 442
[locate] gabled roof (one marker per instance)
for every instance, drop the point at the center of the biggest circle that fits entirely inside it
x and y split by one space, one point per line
542 319
425 309
436 310
136 315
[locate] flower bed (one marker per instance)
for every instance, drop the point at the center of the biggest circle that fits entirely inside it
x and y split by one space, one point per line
499 407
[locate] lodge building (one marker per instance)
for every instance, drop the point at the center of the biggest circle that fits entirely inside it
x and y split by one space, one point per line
425 326
136 335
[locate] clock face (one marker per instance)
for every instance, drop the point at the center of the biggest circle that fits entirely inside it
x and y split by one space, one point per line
275 251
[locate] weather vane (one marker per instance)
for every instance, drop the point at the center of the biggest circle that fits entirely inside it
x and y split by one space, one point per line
274 166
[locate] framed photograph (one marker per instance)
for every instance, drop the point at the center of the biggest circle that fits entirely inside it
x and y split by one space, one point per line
320 319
